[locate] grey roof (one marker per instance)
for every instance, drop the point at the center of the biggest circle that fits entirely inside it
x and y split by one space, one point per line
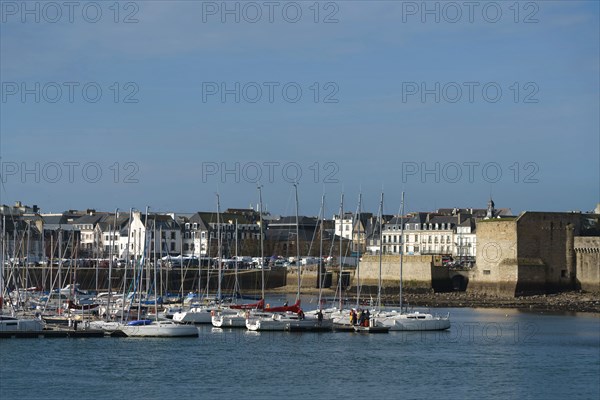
279 235
89 219
291 221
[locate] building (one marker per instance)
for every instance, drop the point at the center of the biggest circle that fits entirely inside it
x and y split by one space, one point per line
200 232
21 230
535 252
447 232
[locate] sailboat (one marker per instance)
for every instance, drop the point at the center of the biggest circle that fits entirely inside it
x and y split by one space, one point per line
290 318
238 320
156 327
341 318
203 314
415 320
12 323
371 325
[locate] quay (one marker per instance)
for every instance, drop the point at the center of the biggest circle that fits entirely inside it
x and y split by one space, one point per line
53 332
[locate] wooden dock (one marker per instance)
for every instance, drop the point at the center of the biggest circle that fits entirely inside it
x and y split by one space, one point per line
53 333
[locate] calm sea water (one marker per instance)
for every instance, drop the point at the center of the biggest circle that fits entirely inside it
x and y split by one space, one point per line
487 354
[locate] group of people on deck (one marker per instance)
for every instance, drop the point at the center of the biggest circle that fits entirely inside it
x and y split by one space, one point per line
360 318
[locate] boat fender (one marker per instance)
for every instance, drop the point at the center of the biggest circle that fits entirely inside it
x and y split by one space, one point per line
212 313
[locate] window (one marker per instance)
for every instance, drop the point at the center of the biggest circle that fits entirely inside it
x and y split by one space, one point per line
172 246
195 226
487 272
173 235
187 226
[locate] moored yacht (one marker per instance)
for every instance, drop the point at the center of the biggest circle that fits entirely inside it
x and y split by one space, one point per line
149 328
413 321
15 324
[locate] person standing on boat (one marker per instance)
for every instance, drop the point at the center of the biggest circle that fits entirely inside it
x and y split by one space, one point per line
367 317
319 316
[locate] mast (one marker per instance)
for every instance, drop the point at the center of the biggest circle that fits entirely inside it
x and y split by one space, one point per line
320 269
110 267
358 252
401 245
126 266
154 283
60 260
142 262
297 242
27 259
110 261
262 248
3 238
153 242
236 287
340 260
219 250
380 250
181 265
51 265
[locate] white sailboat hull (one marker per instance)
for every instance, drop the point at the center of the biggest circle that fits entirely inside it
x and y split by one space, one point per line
414 321
229 321
196 315
288 323
106 326
201 315
160 329
265 324
11 324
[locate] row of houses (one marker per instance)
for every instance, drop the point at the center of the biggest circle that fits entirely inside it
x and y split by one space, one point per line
447 231
32 235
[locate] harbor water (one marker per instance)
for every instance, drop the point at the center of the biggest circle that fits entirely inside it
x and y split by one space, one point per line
487 354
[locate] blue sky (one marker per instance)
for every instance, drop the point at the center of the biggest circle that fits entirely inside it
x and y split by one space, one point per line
535 148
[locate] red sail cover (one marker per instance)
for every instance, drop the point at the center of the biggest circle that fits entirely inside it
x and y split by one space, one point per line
293 308
252 306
